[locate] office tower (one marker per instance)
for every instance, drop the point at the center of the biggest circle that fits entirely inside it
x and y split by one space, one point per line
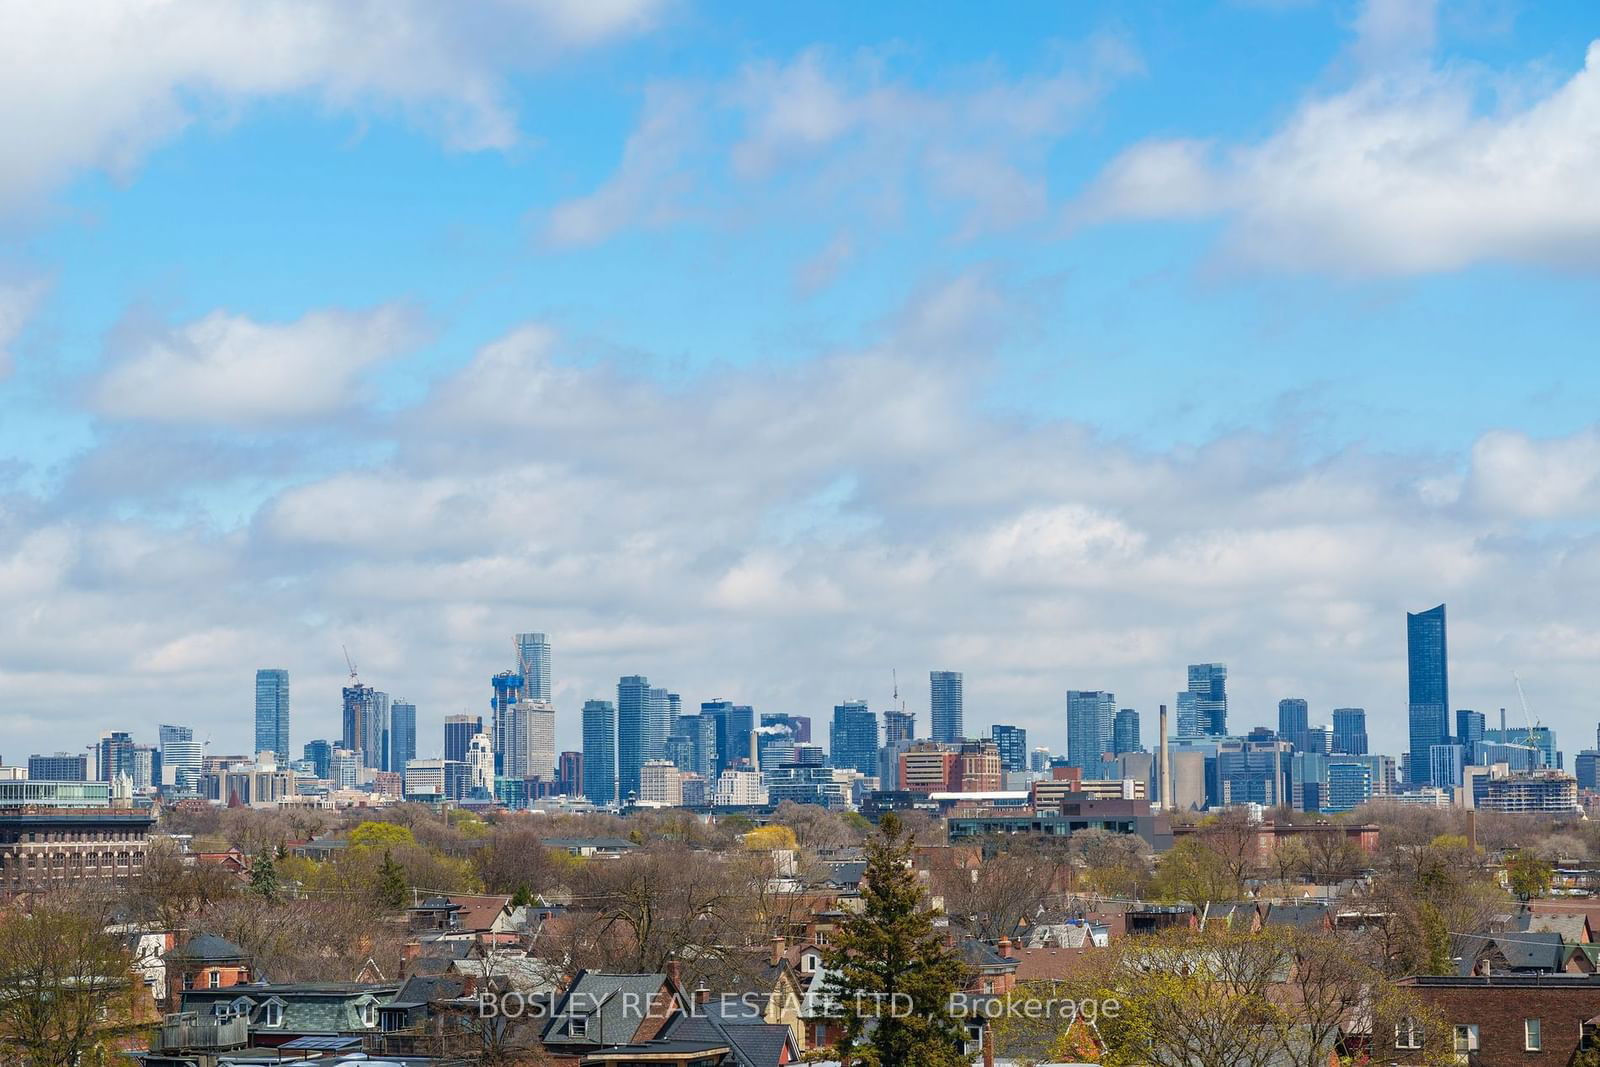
799 725
375 735
182 763
113 755
720 714
1318 739
632 733
945 705
600 749
854 738
1444 765
1012 742
402 735
1294 716
1039 759
1125 733
1090 715
1585 768
458 731
741 725
59 767
1350 731
507 691
659 716
320 755
569 774
344 769
272 713
167 732
1427 661
531 740
1254 772
898 725
808 756
1209 684
533 665
1188 716
674 712
1470 727
1350 785
774 746
357 723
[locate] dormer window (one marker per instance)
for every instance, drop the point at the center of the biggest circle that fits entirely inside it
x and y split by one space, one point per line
272 1013
579 1026
369 1013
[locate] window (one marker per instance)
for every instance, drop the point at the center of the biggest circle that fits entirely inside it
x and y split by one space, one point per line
578 1026
369 1013
1532 1040
272 1014
188 981
1407 1034
1466 1038
214 979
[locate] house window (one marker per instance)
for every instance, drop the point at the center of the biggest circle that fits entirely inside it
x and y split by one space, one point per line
188 981
214 979
1407 1034
1466 1038
272 1014
369 1014
579 1026
1532 1040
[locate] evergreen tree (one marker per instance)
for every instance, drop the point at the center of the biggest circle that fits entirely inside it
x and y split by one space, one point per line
891 973
392 890
264 876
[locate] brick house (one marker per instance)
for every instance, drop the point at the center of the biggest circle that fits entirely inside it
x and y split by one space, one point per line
1505 1019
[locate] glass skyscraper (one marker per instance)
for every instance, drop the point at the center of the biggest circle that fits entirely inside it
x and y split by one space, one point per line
945 705
1091 714
533 664
320 755
854 738
458 731
1427 663
633 731
402 734
272 713
1208 684
1125 733
1350 731
600 751
1012 741
1294 719
507 691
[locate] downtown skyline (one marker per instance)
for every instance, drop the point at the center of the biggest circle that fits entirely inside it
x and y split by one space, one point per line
763 355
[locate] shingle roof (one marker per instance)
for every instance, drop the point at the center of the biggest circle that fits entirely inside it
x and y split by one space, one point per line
614 1004
208 947
1522 951
754 1044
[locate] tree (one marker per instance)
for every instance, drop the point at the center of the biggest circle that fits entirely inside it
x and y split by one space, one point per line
995 893
768 838
392 890
264 876
65 984
1192 872
381 835
1528 873
891 974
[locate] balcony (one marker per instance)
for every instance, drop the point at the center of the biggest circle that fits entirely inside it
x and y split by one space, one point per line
193 1031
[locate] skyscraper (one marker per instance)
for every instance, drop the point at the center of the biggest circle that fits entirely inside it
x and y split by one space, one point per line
600 751
458 731
1209 684
799 725
1012 742
356 721
533 664
898 725
1470 728
507 691
375 734
1350 731
1427 668
633 732
272 713
1090 715
945 705
530 740
1125 733
402 735
1294 717
854 738
658 715
113 755
320 755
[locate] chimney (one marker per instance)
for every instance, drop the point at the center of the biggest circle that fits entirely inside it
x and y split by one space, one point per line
1005 948
1164 773
777 950
675 972
702 996
988 1045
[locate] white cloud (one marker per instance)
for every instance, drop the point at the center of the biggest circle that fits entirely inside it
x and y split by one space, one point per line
17 303
227 369
1402 172
98 84
1516 475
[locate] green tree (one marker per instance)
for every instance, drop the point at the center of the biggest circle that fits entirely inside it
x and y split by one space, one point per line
1528 873
891 973
381 835
264 876
392 889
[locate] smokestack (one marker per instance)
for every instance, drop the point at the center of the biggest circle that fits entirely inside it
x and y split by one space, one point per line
755 751
1164 774
1502 724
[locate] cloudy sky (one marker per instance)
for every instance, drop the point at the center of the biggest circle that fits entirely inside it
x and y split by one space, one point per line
765 350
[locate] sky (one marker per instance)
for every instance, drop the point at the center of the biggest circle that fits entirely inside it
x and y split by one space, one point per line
772 350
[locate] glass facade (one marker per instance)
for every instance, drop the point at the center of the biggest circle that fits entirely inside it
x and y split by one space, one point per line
600 751
272 713
854 738
1428 675
945 704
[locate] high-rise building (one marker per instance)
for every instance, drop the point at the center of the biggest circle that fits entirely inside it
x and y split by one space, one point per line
1294 717
659 716
530 740
1208 682
480 765
182 763
1350 731
1091 714
1350 785
344 768
402 735
362 725
1427 661
375 734
458 731
898 725
1125 733
633 732
1039 759
272 712
533 665
1470 727
1445 763
600 749
569 774
507 687
674 712
945 706
1188 716
1012 743
854 738
113 755
320 755
799 725
59 767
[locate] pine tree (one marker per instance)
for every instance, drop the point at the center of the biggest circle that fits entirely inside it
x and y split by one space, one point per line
392 890
891 973
264 876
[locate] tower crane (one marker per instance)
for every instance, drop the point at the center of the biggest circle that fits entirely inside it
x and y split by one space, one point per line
348 662
1531 740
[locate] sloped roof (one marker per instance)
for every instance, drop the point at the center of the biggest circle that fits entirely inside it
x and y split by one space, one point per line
1522 951
607 1000
754 1044
208 948
1572 928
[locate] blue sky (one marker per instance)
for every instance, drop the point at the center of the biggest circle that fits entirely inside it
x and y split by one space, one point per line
763 350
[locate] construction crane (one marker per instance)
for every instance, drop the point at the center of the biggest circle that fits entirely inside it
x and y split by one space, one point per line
348 662
1531 740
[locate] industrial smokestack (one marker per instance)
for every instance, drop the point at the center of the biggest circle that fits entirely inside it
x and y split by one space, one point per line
1164 775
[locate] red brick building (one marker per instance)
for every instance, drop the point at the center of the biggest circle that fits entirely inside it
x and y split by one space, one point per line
1506 1019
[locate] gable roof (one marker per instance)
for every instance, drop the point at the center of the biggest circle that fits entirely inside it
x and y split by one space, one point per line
1531 951
754 1044
1574 929
208 948
615 1005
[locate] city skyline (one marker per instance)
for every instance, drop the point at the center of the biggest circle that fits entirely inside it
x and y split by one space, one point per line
764 355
